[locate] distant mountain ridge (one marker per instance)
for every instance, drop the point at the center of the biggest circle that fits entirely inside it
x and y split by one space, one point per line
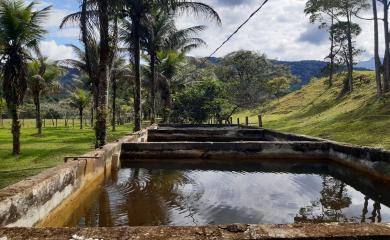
370 64
305 70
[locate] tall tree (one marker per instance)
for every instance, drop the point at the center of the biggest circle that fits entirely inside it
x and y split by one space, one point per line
137 12
42 78
20 31
386 77
162 35
120 74
98 19
376 50
345 11
80 100
2 108
322 12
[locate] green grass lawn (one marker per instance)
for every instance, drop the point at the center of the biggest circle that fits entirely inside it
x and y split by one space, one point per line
358 118
48 150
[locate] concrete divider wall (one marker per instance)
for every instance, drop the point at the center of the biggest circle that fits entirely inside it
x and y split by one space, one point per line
26 203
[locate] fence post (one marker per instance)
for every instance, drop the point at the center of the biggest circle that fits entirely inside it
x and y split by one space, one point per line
238 121
247 121
260 120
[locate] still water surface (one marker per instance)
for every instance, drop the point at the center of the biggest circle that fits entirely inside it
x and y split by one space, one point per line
143 196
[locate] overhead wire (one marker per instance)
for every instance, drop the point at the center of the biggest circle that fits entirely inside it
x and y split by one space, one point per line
232 35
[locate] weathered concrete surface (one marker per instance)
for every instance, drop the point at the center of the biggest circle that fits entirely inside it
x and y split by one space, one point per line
206 135
26 203
224 151
221 133
221 232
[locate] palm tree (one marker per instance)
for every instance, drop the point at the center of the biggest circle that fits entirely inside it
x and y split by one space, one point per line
88 66
137 13
80 100
99 19
20 31
42 78
120 74
161 33
169 63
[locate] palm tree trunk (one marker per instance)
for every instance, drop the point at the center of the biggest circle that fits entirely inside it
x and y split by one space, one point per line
137 92
38 118
387 47
14 109
153 87
81 117
92 115
103 75
114 88
376 54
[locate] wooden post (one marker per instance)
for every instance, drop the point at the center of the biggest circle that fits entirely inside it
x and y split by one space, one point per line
260 120
231 120
56 122
247 121
238 121
73 122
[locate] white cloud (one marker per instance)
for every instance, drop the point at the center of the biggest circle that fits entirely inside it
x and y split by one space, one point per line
276 30
54 51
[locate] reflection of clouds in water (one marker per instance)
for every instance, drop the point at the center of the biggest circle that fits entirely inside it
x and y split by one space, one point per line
253 197
215 197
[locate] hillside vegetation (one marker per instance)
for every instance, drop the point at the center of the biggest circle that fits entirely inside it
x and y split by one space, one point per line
358 118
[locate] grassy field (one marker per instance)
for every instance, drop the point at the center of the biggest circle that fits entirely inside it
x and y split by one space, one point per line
358 118
48 150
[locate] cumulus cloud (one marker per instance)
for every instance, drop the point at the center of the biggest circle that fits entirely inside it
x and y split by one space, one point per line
314 35
54 51
281 30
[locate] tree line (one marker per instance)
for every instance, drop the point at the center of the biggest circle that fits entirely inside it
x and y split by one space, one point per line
115 36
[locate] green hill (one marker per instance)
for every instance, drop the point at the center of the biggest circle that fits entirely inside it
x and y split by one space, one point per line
358 118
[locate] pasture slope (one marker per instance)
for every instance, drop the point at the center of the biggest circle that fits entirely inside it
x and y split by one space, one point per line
318 110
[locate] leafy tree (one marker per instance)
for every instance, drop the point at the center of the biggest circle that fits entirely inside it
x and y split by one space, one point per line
343 32
245 75
342 12
42 78
198 102
80 100
345 11
324 14
20 31
280 86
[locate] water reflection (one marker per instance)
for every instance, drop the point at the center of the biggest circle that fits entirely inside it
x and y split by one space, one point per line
142 196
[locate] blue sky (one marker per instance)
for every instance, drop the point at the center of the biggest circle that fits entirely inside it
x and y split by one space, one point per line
281 30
